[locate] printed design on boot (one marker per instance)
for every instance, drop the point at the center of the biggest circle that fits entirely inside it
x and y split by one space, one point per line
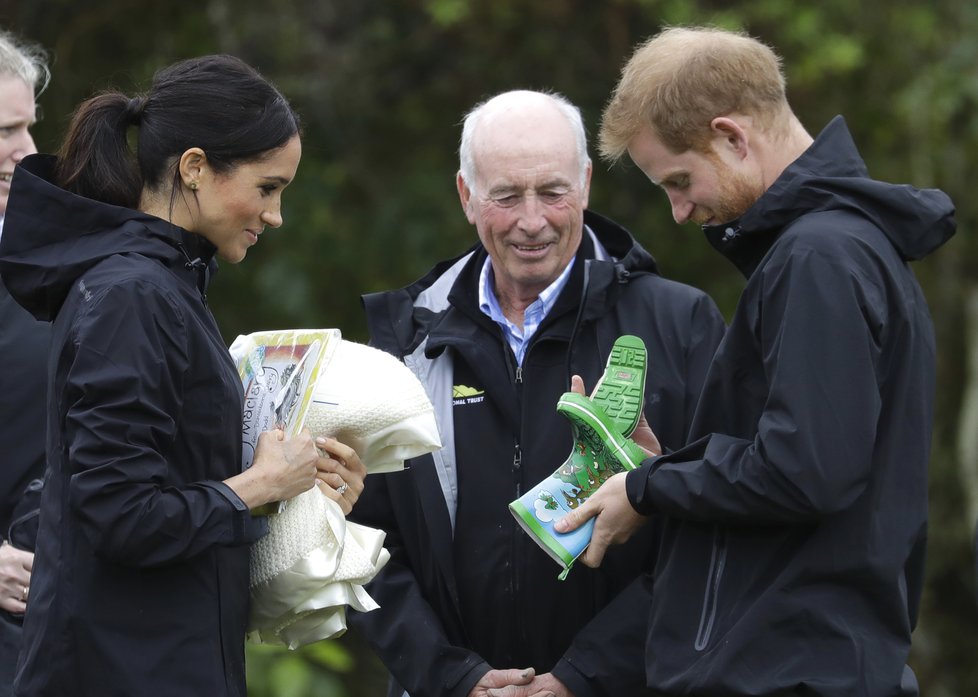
599 435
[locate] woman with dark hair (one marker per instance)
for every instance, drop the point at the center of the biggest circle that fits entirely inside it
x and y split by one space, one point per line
140 583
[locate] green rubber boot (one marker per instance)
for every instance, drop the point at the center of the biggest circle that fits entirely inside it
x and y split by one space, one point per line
621 389
597 435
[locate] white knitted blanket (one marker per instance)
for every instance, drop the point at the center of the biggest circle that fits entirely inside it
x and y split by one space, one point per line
313 563
371 401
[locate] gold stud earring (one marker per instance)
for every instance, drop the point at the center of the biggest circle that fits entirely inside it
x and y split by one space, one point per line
193 186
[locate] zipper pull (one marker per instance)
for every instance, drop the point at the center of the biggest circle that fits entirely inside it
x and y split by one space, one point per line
519 375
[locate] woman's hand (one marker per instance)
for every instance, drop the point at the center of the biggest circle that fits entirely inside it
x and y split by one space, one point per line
282 468
15 578
341 473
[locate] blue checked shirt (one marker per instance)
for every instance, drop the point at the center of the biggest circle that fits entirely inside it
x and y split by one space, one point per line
517 338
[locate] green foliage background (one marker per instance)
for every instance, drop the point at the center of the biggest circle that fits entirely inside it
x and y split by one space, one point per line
382 86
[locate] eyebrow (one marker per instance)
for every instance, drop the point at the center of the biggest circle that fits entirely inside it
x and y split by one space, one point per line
508 189
280 180
513 188
14 122
671 177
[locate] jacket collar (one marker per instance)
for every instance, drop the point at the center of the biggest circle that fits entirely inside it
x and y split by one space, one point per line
453 284
831 175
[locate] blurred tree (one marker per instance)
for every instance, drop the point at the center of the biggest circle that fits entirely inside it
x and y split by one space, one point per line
382 86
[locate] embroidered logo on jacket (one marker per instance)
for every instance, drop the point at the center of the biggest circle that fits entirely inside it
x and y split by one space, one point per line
463 394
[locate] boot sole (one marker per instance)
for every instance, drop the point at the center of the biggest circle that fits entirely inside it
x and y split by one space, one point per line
620 391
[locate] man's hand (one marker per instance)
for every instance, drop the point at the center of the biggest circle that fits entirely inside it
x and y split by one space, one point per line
616 519
644 437
545 685
502 679
15 578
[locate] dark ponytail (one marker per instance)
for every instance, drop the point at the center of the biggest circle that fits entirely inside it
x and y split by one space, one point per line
217 103
95 160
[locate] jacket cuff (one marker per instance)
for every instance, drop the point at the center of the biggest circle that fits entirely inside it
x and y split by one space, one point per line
246 528
636 484
576 682
465 684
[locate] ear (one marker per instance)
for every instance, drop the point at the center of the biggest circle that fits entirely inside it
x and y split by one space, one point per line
732 135
465 197
191 166
586 192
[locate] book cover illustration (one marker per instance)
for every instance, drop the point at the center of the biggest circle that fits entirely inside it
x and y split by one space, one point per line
278 371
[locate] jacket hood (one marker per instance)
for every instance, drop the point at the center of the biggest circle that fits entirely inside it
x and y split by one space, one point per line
620 244
51 237
831 175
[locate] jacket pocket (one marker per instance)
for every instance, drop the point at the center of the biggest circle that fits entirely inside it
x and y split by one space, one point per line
718 560
22 532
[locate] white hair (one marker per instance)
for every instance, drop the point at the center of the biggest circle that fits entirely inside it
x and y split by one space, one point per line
27 61
476 115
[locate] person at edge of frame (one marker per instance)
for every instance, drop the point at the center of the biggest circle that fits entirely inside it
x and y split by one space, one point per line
24 74
141 574
794 522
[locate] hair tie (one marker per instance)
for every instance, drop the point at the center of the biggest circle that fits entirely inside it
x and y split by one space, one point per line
134 110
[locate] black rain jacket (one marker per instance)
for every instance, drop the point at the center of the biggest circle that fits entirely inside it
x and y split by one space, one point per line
453 608
23 380
140 583
24 349
794 525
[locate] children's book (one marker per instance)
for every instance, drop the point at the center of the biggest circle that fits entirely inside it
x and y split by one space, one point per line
278 371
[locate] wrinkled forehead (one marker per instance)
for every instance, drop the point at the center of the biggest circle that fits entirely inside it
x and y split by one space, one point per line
16 93
525 146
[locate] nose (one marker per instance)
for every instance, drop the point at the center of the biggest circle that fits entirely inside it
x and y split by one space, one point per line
24 147
532 217
272 217
682 209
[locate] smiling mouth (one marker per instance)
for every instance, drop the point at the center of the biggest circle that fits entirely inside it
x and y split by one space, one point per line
531 247
6 177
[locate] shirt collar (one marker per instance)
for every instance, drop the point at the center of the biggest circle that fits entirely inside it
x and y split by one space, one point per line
518 338
489 303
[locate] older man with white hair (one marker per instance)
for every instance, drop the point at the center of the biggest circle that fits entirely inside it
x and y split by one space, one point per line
470 605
